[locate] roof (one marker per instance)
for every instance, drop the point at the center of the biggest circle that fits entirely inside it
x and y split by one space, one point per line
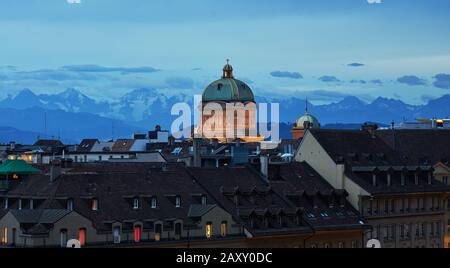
41 216
17 167
48 143
86 145
198 210
228 89
123 145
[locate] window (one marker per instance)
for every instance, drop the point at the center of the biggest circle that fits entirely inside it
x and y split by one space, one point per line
99 158
341 245
20 203
116 235
208 230
63 238
4 235
445 179
136 203
82 236
386 206
204 200
327 245
69 204
313 246
154 202
7 205
393 206
178 227
137 233
224 228
158 231
178 202
354 244
94 204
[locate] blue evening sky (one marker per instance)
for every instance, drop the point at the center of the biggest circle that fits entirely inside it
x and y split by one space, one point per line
324 49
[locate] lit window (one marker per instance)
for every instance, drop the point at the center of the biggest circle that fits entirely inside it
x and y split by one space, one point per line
208 230
137 233
116 234
136 203
341 245
94 204
158 231
82 236
223 228
69 204
4 235
6 203
327 245
15 177
178 202
154 202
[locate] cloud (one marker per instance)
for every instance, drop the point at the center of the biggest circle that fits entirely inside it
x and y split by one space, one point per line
427 98
102 69
376 81
358 82
374 2
355 64
284 74
180 82
328 79
74 1
411 80
47 74
442 81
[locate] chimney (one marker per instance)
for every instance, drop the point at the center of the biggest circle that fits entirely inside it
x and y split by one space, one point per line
55 170
371 128
264 160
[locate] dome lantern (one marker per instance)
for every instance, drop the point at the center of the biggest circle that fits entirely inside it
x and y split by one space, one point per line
228 70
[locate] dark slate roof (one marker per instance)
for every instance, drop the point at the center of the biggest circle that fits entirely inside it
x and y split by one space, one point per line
356 147
42 216
297 190
198 210
364 153
115 192
419 146
48 143
122 145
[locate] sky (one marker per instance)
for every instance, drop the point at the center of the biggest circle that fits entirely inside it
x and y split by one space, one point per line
323 49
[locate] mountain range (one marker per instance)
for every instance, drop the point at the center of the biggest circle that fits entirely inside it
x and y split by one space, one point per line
73 115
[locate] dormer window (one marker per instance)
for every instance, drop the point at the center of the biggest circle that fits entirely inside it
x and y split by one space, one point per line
6 203
69 204
31 204
136 203
204 200
177 202
94 204
154 202
20 204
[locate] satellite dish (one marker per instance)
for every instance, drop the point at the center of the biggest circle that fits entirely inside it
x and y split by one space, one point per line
73 243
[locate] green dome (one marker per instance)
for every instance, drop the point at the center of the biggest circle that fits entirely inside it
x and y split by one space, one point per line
228 89
308 119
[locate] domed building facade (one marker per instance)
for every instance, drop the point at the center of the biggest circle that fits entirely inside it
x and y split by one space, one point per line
238 122
305 122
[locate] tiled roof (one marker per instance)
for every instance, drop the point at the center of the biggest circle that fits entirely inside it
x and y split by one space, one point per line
42 216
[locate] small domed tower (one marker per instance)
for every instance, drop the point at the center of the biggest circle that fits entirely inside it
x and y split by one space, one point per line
305 122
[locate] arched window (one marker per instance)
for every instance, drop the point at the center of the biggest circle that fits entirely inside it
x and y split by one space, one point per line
224 228
63 238
154 202
82 236
208 230
136 203
137 233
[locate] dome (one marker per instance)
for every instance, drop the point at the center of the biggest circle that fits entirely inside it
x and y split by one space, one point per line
307 121
228 89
